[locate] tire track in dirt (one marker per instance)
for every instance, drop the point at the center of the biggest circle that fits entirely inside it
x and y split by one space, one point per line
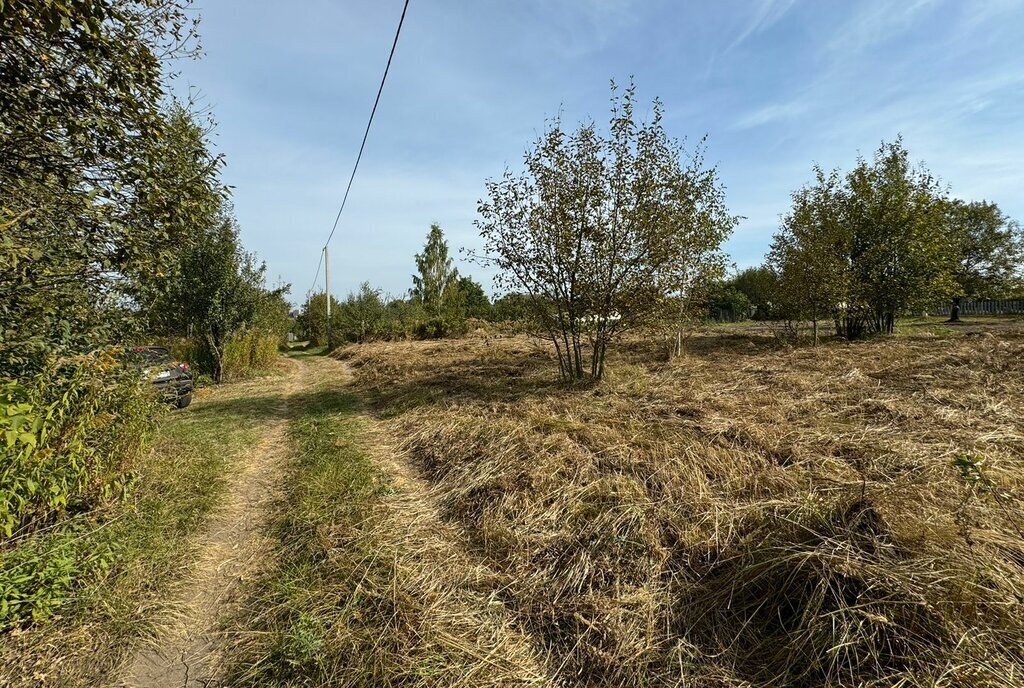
233 547
460 595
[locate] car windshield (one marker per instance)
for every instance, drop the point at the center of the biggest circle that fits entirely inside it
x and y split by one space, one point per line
151 354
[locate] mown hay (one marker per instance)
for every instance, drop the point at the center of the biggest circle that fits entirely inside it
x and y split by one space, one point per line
368 586
748 514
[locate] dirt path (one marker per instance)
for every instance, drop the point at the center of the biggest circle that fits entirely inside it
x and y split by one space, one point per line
455 595
460 595
230 550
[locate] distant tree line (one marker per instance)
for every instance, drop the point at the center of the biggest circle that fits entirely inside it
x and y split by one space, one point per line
440 303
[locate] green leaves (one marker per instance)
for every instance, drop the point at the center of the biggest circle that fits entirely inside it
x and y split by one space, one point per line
990 250
970 468
90 170
436 286
867 246
604 231
217 290
65 435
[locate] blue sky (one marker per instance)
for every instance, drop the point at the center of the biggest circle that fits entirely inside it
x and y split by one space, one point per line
777 85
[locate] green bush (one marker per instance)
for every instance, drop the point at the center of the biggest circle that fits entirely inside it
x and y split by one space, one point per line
248 352
440 328
67 436
37 576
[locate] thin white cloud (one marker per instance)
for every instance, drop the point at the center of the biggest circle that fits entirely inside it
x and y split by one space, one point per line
876 22
770 114
470 87
768 12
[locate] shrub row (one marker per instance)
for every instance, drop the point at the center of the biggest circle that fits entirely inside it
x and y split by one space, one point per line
249 351
246 352
69 437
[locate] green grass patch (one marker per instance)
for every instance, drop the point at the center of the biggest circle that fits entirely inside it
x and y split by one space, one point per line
308 619
108 571
366 590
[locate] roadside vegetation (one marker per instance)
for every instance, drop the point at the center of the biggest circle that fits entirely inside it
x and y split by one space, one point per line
115 231
81 594
440 303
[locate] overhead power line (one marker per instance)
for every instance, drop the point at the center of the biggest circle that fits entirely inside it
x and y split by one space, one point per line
369 122
317 275
366 134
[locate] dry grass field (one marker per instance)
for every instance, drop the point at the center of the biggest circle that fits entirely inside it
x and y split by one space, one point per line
750 513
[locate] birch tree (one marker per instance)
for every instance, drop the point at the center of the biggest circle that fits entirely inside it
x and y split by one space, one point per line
436 285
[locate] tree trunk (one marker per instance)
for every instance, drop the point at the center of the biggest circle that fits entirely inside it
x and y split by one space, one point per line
577 354
954 312
814 326
600 349
562 363
215 353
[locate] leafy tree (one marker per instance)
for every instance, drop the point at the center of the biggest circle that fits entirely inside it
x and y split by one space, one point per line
218 291
82 157
866 247
362 316
512 307
729 303
902 253
600 230
474 300
990 249
810 255
312 320
273 314
183 200
436 285
760 286
404 316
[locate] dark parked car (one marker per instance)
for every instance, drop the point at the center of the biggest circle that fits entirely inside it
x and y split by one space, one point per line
171 379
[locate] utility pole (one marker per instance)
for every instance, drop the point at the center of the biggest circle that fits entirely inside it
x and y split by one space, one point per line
327 287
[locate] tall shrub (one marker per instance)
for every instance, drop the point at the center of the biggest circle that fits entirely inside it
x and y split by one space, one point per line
217 293
868 246
69 435
601 231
